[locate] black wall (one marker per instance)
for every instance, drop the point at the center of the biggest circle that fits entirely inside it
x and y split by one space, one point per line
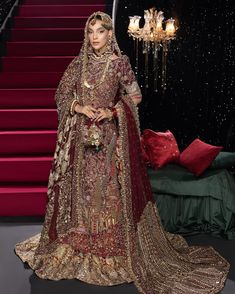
199 100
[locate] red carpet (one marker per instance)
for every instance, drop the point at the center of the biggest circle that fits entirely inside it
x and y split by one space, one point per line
45 36
41 63
46 48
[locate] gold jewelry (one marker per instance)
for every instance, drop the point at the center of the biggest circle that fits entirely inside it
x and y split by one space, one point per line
72 107
92 87
87 52
109 45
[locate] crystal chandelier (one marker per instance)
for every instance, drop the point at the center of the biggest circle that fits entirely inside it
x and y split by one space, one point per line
155 40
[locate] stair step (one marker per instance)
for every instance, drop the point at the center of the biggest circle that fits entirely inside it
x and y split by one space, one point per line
50 22
54 34
40 63
59 10
44 38
29 79
61 2
27 142
43 48
27 200
27 98
28 119
25 169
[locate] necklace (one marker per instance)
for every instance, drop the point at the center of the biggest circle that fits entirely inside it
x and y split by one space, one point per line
93 86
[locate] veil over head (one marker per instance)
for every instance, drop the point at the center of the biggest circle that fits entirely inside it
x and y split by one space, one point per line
87 49
78 66
157 261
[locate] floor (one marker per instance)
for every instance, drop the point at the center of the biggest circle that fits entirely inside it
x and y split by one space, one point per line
17 278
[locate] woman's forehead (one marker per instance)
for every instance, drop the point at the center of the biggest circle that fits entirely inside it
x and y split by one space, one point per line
95 24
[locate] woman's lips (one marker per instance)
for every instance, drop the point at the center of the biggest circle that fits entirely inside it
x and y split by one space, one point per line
95 43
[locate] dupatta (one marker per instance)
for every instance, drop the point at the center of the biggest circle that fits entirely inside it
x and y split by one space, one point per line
158 262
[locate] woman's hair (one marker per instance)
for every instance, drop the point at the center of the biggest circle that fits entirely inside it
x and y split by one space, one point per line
105 21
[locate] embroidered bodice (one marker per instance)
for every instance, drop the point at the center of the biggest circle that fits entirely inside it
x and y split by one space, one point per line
119 77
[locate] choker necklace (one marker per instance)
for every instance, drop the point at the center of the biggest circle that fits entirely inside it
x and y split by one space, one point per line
102 56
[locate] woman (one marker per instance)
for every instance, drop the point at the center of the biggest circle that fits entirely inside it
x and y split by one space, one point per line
101 224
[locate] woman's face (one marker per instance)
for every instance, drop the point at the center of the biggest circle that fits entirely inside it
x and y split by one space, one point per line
98 35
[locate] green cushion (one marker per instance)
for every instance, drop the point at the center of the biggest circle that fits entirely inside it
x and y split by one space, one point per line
223 160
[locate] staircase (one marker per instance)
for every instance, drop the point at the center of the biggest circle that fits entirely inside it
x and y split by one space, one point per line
45 37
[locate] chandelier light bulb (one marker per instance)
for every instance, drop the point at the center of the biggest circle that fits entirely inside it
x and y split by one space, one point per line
159 20
170 27
155 40
134 23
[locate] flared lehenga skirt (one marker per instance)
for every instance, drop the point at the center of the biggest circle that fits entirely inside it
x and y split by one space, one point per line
90 245
84 234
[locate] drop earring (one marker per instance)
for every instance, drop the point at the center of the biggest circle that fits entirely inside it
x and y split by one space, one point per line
109 45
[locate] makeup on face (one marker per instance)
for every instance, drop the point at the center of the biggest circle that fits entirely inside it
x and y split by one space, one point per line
98 35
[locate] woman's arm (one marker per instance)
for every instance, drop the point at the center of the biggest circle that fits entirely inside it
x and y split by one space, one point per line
128 81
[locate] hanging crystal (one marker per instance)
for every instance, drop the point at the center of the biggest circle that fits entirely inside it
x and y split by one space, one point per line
164 59
136 56
156 48
153 37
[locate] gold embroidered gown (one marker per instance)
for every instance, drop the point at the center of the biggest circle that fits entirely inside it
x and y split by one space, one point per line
101 224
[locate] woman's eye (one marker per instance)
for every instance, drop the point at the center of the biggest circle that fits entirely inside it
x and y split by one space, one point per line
101 32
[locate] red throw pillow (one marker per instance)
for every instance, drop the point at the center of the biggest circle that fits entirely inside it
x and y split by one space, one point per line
161 147
198 156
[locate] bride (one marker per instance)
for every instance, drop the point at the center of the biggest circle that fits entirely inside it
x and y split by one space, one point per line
101 224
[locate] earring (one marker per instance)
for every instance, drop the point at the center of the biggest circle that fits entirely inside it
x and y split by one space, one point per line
109 45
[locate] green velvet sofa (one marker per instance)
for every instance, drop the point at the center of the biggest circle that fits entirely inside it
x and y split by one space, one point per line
190 205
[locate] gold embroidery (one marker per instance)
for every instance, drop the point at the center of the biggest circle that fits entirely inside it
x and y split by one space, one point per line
65 263
160 262
93 237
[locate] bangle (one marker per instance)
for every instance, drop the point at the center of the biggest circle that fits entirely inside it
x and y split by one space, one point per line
72 107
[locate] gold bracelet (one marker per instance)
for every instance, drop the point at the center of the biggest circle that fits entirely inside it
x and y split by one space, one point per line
72 107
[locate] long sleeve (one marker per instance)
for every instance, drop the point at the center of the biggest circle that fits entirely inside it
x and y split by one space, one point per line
64 95
128 81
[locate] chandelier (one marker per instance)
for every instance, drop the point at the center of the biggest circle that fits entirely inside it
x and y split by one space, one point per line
155 40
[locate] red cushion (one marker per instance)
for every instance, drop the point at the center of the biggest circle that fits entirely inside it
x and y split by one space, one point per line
161 147
198 156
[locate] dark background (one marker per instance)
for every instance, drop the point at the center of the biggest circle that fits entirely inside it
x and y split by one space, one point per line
199 100
5 6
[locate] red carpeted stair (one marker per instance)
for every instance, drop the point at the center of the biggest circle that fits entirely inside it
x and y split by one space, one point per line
45 37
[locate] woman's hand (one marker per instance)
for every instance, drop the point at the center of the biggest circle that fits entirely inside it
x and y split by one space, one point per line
87 110
103 113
